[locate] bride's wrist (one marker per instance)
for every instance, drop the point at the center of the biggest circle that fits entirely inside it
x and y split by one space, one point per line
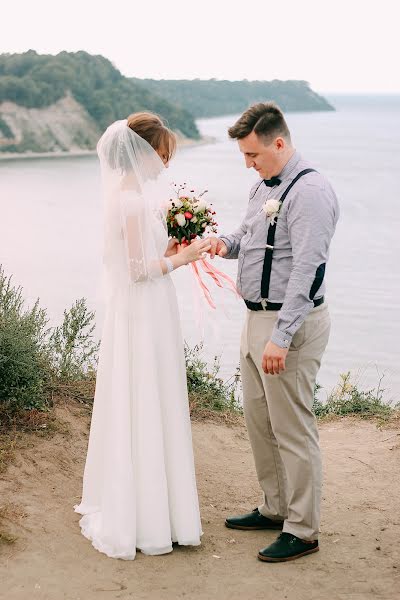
178 260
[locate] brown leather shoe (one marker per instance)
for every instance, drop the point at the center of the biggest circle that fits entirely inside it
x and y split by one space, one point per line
252 521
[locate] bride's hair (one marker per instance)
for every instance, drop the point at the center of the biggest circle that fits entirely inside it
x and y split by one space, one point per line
151 128
119 148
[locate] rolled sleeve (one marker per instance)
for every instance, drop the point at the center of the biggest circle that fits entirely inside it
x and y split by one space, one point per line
311 222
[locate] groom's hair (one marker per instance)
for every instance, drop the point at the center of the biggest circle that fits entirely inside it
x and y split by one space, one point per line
265 119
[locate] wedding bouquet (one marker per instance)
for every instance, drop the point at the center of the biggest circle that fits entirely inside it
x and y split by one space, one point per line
189 216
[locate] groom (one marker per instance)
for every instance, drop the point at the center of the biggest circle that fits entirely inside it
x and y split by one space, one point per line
282 250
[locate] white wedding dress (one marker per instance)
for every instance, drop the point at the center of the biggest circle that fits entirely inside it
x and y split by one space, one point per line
139 488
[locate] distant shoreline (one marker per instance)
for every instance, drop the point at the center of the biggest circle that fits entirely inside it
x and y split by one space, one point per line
10 156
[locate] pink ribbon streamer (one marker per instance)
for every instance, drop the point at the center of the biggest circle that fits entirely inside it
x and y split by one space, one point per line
216 275
203 286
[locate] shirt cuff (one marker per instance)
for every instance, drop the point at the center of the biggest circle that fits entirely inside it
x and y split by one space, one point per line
281 338
227 243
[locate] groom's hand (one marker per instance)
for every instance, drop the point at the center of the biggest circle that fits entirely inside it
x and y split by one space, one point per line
273 360
217 247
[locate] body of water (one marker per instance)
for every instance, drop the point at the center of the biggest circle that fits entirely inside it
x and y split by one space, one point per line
50 232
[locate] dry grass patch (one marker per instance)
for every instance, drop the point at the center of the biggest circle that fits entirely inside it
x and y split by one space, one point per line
13 431
10 516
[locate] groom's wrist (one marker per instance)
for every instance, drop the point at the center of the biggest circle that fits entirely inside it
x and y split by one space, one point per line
227 244
281 338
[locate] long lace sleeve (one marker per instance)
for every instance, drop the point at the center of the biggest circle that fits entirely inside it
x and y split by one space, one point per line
143 234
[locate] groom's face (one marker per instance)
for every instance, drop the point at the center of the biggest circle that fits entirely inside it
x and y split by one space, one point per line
262 155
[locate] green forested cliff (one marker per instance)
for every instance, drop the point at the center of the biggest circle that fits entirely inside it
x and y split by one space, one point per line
211 98
34 80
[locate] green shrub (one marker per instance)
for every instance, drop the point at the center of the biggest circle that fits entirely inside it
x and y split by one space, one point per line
207 390
36 361
72 346
24 357
347 399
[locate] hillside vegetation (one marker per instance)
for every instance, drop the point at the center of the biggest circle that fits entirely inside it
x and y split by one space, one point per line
211 98
32 81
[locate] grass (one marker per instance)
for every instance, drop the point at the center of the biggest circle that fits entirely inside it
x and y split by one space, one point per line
209 395
6 538
8 445
81 390
9 514
347 399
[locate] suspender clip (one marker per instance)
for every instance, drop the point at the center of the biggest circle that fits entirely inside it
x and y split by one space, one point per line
264 302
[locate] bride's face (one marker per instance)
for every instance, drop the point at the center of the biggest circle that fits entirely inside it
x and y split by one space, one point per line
163 153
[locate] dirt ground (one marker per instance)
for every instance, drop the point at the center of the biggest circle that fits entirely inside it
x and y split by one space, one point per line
360 531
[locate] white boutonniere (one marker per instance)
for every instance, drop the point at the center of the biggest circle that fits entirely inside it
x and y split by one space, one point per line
271 209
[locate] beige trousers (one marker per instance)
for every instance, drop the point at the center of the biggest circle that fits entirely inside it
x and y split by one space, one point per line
282 427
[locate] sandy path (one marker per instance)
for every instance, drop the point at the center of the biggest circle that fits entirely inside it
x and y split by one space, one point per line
360 547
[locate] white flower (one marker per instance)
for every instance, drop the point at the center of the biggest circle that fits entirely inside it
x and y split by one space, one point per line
178 203
204 225
271 209
180 219
200 206
193 220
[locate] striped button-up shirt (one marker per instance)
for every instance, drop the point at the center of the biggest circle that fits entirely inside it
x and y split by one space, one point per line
304 229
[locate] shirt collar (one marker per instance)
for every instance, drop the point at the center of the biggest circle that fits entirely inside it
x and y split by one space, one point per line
290 165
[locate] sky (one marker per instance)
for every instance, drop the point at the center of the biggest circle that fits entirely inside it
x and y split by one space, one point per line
338 46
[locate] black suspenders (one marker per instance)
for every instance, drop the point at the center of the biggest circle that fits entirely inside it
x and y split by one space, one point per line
266 274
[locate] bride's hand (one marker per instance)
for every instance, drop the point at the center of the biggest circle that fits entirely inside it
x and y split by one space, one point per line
195 250
172 247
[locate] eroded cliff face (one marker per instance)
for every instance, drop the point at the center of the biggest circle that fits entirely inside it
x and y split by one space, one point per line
63 126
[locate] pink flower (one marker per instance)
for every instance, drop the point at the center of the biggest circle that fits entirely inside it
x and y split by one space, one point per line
188 215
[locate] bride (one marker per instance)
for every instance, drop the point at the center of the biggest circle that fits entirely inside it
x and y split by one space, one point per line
139 487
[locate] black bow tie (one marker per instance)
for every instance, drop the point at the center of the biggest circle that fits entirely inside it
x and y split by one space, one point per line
273 181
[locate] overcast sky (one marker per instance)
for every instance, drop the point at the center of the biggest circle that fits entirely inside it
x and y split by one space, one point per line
336 45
